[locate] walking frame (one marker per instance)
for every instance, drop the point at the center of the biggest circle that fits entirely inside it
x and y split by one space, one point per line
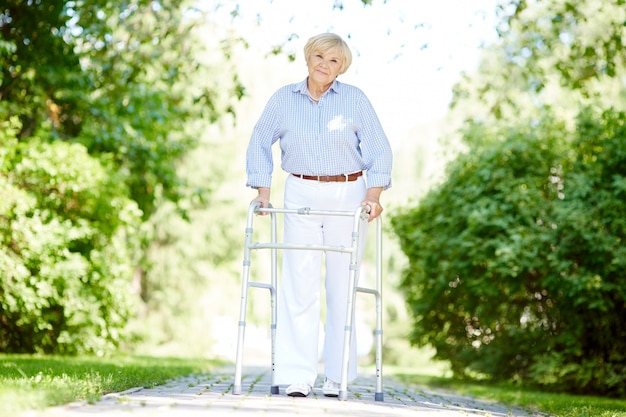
360 216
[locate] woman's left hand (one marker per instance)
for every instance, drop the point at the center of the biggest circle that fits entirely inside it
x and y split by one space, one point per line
375 209
372 199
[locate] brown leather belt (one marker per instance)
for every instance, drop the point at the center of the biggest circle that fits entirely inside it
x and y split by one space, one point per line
331 178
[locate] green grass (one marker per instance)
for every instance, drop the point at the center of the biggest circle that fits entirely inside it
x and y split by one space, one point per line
36 382
553 404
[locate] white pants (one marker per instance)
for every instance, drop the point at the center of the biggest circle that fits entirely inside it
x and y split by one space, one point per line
299 293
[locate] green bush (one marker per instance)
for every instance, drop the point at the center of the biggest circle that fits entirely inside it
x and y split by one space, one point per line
516 261
66 238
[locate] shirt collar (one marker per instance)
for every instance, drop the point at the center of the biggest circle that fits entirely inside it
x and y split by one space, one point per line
301 86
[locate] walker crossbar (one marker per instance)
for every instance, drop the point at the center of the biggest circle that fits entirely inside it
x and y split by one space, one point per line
360 215
297 246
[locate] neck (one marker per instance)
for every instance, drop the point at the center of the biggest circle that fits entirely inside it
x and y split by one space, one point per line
316 90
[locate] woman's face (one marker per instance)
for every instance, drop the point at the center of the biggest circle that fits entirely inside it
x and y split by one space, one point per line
324 66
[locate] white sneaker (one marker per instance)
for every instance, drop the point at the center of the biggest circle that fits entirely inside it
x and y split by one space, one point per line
330 388
299 389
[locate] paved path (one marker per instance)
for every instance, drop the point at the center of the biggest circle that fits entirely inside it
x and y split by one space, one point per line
210 395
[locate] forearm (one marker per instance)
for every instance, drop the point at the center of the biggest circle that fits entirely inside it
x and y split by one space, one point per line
373 194
263 195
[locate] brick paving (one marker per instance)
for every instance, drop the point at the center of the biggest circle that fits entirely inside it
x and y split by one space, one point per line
211 395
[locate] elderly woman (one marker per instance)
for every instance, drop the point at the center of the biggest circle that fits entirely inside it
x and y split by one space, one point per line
337 157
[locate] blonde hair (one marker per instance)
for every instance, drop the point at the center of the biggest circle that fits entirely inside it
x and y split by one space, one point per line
325 42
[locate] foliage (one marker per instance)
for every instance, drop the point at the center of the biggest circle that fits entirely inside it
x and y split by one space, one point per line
66 229
97 112
35 382
581 40
141 101
514 261
514 258
590 258
550 53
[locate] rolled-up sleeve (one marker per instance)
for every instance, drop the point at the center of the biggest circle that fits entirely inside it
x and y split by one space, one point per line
259 163
376 150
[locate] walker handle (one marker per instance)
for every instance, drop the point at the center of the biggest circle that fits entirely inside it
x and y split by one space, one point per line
365 212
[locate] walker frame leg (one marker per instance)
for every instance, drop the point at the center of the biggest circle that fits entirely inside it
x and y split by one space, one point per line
245 286
377 292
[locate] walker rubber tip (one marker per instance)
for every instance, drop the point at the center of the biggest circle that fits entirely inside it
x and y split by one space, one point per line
275 390
343 396
379 396
237 390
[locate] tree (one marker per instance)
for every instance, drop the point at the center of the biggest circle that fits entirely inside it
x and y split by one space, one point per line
550 53
97 111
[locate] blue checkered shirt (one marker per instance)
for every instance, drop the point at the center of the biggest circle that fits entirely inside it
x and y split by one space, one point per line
339 135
